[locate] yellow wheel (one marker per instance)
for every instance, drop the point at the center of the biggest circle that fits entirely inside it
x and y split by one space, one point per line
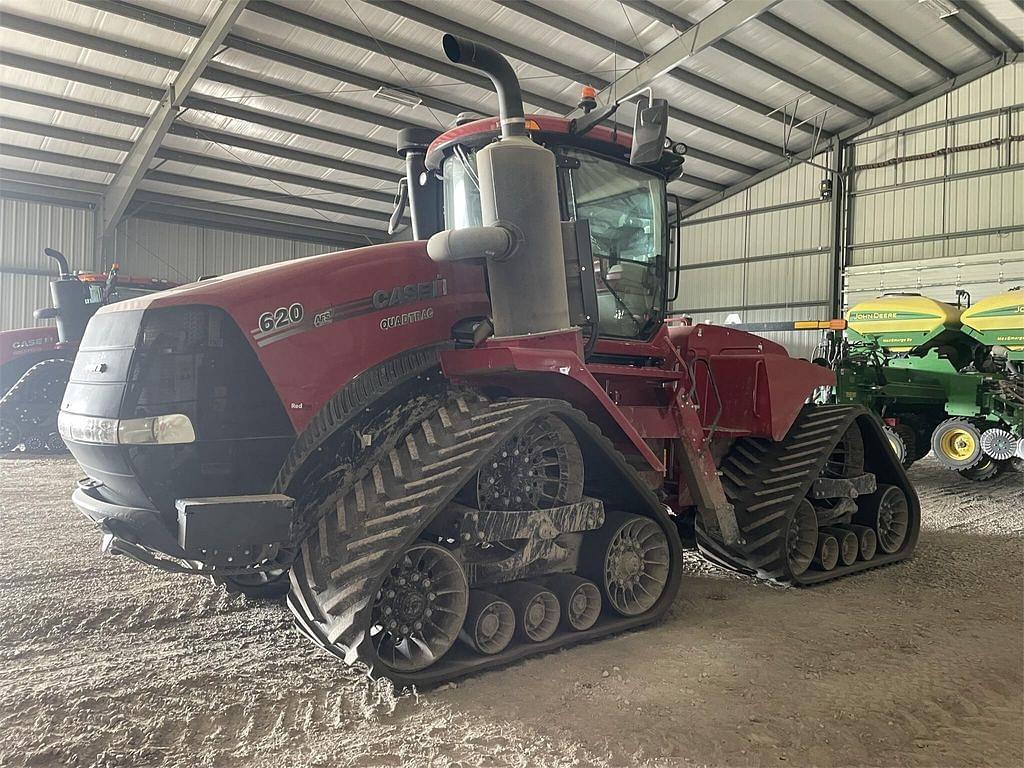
957 444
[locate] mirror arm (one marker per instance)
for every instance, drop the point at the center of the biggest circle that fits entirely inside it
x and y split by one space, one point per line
582 125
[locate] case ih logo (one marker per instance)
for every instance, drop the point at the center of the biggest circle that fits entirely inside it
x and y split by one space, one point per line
405 294
29 343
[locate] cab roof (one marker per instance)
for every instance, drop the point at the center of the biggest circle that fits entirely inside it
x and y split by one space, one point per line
542 128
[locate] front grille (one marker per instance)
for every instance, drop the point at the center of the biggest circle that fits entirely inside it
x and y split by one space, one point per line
191 360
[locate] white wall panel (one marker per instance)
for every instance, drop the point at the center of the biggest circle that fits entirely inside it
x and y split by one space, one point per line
983 274
922 203
177 252
941 209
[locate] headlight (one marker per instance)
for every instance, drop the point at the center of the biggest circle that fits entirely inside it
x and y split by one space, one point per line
175 428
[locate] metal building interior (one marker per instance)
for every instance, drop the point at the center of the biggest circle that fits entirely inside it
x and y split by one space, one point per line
835 151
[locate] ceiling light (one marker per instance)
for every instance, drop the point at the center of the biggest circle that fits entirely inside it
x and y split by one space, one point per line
398 97
943 8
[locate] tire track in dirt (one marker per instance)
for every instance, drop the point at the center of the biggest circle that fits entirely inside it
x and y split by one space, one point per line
106 663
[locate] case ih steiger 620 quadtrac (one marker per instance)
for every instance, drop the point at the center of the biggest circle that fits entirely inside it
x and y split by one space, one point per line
492 435
35 362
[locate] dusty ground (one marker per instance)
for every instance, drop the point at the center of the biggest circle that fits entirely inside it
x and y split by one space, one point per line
105 662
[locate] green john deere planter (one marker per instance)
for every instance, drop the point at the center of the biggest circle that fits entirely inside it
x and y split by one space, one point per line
943 378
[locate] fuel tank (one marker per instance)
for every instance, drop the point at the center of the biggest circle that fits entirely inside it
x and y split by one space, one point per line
997 321
901 322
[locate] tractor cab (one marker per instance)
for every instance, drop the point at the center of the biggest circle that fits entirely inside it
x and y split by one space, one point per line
625 208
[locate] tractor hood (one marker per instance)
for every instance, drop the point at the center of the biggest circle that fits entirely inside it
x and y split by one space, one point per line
317 322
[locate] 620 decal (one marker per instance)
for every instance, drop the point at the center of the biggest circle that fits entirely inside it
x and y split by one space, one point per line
281 317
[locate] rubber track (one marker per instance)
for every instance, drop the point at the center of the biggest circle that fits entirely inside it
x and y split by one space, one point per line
364 527
765 481
22 387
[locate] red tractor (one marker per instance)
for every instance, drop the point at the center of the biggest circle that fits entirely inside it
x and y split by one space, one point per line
483 444
35 362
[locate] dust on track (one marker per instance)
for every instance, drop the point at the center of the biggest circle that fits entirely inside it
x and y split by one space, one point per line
104 662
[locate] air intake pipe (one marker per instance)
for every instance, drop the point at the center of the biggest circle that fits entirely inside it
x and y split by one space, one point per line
518 195
422 190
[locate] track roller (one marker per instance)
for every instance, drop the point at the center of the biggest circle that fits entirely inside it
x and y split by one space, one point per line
802 538
848 544
866 539
827 555
580 600
490 623
536 608
886 510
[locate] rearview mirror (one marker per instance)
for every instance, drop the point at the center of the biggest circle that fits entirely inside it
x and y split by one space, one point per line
649 129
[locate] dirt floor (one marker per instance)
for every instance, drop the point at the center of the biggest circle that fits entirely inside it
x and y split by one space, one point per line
105 662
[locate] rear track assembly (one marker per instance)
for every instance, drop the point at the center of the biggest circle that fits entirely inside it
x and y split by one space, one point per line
791 540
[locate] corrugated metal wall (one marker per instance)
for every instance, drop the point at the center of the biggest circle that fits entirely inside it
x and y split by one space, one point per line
762 255
178 252
980 274
26 227
765 254
963 203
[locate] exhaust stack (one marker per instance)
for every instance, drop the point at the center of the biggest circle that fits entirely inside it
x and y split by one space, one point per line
68 295
518 195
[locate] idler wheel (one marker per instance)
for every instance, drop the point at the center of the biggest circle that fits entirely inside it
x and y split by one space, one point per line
536 608
490 623
827 555
420 608
635 565
866 539
802 538
848 545
580 600
887 511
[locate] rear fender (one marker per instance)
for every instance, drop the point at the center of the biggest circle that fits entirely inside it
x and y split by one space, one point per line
747 385
552 373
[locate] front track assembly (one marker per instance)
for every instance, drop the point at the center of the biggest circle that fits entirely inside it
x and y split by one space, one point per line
28 410
829 500
472 537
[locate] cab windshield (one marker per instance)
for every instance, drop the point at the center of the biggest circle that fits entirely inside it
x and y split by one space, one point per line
626 211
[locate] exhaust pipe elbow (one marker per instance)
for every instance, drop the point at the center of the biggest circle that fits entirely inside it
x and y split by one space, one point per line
497 243
474 55
62 263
